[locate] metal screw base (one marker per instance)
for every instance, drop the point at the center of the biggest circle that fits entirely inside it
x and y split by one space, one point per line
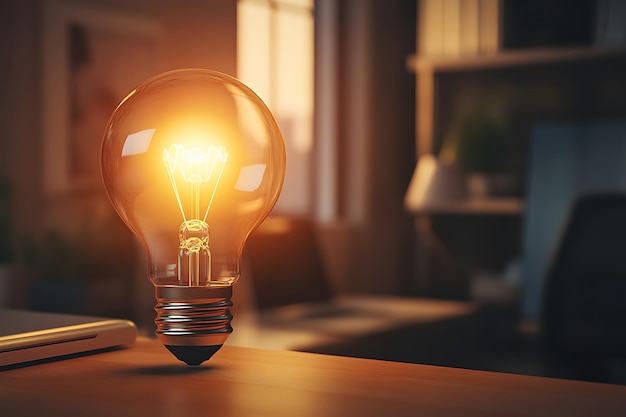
193 322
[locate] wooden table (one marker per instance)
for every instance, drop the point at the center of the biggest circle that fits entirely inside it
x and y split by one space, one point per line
145 380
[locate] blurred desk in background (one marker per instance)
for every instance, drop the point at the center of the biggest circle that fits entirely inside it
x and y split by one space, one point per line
146 380
376 327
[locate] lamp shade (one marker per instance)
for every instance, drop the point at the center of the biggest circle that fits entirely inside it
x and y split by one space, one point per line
434 183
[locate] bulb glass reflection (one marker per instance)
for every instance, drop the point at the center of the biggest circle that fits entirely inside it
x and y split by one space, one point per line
193 161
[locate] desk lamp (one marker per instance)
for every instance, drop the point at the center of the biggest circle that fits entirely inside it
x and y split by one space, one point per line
193 161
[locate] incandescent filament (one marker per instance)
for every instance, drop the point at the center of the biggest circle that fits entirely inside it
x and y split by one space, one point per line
194 175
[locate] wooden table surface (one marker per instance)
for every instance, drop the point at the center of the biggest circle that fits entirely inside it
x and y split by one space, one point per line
145 380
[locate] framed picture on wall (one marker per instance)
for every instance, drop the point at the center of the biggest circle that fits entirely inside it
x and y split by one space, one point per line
92 57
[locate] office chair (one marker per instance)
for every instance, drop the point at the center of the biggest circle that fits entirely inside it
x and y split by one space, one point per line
584 305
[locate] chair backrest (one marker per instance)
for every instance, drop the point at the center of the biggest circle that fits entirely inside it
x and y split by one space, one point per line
584 304
566 160
285 264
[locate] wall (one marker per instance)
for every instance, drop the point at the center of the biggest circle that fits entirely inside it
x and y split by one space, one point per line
191 33
20 106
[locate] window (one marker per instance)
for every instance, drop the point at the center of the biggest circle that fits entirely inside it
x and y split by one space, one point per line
275 58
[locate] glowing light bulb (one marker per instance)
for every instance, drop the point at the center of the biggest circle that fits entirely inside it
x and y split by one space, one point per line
193 161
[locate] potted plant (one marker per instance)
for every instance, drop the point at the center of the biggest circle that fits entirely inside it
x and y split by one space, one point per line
91 273
478 144
58 274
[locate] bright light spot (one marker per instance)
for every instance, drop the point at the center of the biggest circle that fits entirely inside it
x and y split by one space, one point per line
250 177
137 143
196 164
200 167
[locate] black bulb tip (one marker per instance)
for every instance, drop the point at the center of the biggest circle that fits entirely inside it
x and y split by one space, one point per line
193 355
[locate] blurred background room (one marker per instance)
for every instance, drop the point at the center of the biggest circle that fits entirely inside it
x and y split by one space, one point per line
456 172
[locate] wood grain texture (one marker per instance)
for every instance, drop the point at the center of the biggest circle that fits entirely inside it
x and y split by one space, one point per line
145 380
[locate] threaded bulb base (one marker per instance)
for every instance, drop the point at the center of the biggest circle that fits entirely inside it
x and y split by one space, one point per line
193 322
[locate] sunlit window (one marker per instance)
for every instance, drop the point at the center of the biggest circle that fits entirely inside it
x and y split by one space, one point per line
275 58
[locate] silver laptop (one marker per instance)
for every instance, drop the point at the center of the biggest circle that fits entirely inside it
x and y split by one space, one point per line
27 336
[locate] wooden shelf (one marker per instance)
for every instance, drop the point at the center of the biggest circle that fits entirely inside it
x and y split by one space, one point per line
511 59
428 69
487 206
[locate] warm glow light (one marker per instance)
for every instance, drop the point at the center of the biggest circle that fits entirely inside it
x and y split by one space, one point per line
196 166
193 161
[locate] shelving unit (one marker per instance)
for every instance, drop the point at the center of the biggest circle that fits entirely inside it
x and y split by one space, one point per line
428 69
532 87
485 232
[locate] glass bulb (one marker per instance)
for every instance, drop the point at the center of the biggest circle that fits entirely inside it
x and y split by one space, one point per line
193 161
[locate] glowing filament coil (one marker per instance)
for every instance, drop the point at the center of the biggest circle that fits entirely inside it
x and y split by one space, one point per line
201 170
195 166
